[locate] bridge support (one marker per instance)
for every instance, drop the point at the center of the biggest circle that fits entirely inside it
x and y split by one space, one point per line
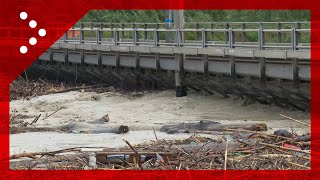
181 88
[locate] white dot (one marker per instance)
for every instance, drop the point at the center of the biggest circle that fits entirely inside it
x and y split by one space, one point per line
23 15
42 32
33 24
33 41
23 49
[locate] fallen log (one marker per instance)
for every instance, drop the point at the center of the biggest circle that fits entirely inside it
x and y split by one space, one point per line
74 128
17 129
251 127
211 126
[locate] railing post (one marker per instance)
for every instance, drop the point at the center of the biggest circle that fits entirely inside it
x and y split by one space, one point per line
178 37
298 26
294 39
145 32
243 32
279 33
260 25
122 32
227 33
98 36
231 38
116 36
204 38
91 27
111 27
135 37
212 33
261 39
81 33
101 32
198 33
156 37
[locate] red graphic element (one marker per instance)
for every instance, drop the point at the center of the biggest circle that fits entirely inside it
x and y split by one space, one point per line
57 16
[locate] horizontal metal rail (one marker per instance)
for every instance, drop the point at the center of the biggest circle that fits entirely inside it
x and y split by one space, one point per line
199 25
132 36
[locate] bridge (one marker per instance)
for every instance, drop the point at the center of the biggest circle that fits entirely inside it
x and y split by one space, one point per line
267 61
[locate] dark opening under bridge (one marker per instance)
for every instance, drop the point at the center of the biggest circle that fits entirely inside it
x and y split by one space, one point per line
255 59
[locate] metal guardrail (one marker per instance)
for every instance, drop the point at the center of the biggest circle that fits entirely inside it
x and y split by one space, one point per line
199 25
97 37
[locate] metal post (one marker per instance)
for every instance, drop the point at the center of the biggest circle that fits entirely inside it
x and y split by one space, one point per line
298 26
101 32
261 39
81 33
231 38
135 37
98 36
145 32
226 33
178 37
279 33
204 38
294 39
122 33
260 25
243 32
116 36
212 33
111 27
156 37
91 27
198 33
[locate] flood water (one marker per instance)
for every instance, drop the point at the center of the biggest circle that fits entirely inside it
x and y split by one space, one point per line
141 112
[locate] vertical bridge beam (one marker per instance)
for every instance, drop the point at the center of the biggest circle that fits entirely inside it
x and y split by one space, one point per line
181 89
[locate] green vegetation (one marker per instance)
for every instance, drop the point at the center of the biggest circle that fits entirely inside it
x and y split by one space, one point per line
153 16
197 16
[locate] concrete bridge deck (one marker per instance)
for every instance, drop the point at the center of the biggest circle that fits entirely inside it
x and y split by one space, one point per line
268 70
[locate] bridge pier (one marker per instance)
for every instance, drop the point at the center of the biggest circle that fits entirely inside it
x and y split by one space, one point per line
181 88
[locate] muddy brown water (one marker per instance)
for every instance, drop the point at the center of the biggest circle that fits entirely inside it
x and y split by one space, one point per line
140 113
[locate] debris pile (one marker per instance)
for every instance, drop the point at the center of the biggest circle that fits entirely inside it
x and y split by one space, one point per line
232 149
22 88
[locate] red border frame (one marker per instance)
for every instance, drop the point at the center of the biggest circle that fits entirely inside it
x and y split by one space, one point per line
49 15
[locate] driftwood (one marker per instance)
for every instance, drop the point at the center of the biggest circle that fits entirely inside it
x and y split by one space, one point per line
67 129
47 161
17 129
75 127
51 153
119 129
213 146
74 89
211 126
119 156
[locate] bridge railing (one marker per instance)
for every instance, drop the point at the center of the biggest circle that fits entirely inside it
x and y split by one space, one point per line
201 25
231 38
